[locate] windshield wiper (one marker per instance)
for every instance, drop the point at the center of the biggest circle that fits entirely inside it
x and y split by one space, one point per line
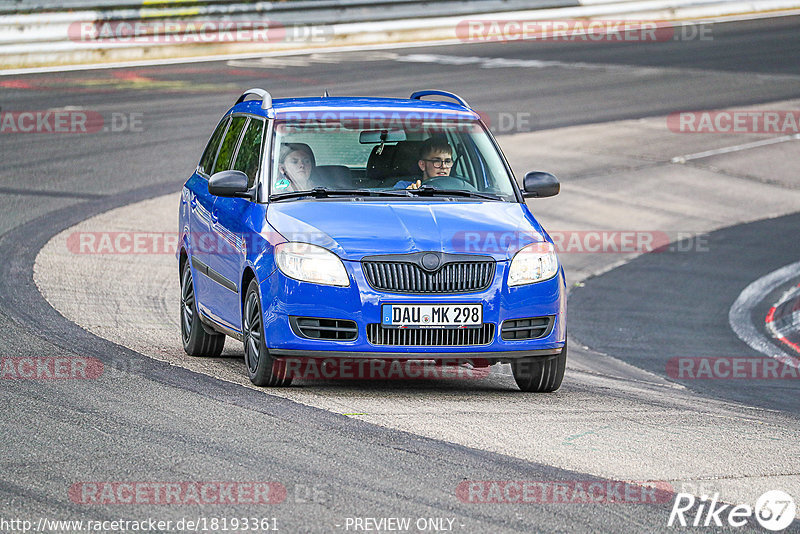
324 192
427 190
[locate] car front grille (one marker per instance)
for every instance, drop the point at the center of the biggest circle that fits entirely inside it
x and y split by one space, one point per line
408 277
529 328
377 334
326 329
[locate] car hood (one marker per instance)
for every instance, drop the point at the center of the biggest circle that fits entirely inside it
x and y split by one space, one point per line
357 228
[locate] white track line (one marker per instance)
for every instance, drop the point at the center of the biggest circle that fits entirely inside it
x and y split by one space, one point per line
739 316
735 148
225 57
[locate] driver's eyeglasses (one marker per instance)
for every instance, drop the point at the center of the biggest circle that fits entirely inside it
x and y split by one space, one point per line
439 163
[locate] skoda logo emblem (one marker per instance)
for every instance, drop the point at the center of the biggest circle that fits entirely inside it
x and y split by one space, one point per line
430 262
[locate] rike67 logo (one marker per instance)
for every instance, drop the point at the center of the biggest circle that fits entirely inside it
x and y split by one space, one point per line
775 510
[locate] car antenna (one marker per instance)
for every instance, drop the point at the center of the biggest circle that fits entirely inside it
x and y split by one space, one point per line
325 94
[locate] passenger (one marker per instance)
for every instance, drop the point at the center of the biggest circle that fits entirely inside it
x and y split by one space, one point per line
435 161
295 163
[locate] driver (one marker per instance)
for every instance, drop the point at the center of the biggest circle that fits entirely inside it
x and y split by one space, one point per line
435 161
295 163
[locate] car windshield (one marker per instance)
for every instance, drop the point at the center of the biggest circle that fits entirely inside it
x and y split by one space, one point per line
425 158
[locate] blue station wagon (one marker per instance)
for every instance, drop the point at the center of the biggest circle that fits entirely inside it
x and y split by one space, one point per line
369 229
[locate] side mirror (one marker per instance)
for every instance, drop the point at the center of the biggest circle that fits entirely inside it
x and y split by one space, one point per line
538 184
229 184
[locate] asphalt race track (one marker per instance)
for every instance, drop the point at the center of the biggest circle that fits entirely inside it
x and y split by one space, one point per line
595 115
668 299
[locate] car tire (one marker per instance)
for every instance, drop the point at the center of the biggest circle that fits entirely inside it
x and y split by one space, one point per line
540 375
262 368
196 340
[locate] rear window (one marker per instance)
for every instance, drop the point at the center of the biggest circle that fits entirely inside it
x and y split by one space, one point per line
207 161
249 155
341 148
229 144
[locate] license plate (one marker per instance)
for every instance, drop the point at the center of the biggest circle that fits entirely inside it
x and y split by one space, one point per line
431 315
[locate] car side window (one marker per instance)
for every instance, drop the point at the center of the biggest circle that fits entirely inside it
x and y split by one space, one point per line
249 154
228 146
465 166
210 153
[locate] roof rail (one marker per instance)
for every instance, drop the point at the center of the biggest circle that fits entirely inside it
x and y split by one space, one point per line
436 92
266 98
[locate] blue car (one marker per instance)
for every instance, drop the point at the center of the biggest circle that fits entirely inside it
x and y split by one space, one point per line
367 229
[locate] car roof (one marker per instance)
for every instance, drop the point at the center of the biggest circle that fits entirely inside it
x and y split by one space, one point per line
315 107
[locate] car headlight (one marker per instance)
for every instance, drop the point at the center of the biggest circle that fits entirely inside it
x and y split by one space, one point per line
310 263
533 263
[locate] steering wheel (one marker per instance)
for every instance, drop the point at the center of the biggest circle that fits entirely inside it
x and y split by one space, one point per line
450 182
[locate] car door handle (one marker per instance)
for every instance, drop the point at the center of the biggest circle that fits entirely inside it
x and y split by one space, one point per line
193 202
215 217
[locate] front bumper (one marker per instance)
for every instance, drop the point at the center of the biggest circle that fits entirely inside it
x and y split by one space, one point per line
283 297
